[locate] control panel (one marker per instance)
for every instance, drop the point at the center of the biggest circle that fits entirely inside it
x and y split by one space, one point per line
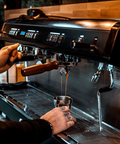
32 34
85 38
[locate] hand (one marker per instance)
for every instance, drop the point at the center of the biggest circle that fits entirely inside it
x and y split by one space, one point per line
8 52
60 118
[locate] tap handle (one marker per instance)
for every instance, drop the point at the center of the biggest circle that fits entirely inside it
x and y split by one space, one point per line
39 68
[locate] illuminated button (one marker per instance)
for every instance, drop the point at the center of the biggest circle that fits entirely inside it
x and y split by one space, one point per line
56 38
60 39
51 37
16 32
35 35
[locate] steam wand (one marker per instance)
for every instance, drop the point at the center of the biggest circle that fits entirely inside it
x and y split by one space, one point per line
110 68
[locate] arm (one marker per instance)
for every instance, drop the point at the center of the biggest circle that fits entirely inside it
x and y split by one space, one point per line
36 131
26 132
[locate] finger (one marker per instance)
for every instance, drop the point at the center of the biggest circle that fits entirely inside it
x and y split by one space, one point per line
70 123
13 58
12 47
14 52
66 113
70 118
64 108
20 55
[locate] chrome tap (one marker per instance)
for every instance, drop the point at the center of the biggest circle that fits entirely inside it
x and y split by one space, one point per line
62 71
66 62
96 75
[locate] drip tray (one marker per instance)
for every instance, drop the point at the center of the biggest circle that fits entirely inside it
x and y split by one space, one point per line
86 129
86 132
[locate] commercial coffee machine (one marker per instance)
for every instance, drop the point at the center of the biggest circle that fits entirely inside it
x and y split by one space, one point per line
85 49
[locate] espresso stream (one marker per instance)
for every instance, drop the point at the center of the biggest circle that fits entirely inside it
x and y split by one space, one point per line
65 83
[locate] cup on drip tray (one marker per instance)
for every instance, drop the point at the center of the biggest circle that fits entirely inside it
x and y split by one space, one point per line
63 101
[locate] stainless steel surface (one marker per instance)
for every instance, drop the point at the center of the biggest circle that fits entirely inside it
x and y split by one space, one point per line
86 129
99 110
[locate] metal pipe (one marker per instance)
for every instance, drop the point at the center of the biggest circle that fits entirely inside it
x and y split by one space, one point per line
99 110
110 68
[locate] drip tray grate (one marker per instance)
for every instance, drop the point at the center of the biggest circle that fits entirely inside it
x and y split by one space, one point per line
85 131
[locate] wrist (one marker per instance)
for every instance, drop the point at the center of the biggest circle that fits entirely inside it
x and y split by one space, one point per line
52 131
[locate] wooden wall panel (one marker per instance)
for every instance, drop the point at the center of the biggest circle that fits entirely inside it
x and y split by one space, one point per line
106 9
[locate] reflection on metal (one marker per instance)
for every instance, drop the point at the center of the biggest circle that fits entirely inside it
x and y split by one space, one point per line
15 106
99 111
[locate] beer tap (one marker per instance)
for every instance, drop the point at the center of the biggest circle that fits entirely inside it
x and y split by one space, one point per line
110 68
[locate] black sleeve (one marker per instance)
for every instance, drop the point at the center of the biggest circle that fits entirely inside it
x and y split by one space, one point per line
25 132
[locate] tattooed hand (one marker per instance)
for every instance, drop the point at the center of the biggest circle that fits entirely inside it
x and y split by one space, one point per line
60 118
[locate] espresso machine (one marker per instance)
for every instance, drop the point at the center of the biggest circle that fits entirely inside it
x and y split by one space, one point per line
85 49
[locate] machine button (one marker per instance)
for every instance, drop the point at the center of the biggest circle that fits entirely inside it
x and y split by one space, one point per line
16 33
56 38
50 38
35 35
60 39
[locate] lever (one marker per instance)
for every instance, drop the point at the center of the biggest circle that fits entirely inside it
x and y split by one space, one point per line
39 68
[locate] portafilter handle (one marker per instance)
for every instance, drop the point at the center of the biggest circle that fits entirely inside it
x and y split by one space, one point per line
39 68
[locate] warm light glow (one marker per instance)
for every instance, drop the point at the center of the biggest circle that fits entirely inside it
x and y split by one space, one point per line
107 24
87 23
5 6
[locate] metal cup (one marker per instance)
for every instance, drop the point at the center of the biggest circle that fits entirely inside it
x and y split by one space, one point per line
63 101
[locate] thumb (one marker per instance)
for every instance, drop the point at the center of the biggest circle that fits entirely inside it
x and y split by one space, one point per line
12 47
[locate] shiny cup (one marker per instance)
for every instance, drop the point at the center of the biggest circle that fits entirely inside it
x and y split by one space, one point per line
63 101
